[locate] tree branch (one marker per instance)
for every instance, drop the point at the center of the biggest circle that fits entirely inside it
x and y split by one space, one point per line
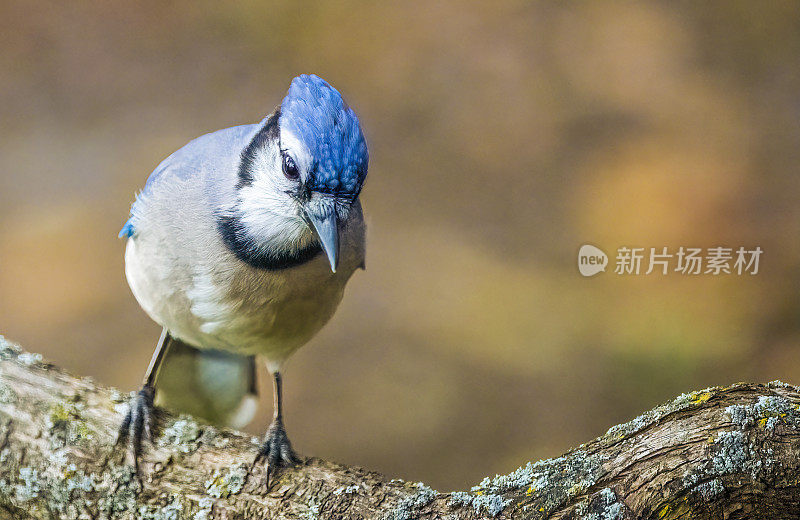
723 452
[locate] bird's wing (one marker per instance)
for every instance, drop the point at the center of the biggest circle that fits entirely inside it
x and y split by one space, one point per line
209 151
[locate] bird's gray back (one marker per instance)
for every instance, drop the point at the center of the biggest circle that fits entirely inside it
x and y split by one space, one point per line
212 151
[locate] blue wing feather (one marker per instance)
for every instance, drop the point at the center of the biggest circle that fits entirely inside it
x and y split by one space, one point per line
127 230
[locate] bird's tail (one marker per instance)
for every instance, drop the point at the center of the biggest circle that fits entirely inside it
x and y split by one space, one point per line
219 387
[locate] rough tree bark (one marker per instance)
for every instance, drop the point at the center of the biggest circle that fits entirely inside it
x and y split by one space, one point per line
718 453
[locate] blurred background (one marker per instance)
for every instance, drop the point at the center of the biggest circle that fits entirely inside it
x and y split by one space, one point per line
503 136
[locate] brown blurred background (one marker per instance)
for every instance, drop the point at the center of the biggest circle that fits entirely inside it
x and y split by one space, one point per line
503 136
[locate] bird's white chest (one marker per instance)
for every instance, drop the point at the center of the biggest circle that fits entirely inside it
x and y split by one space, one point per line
218 302
264 312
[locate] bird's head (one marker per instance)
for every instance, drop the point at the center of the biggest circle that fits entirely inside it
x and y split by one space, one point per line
300 175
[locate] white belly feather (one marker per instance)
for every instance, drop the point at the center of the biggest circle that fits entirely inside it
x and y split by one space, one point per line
208 298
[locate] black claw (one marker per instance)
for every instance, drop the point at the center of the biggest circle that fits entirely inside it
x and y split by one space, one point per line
276 450
138 423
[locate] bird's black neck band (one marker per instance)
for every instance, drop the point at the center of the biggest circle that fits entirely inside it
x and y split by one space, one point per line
246 249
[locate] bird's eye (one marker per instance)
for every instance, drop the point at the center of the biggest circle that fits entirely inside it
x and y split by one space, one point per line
290 168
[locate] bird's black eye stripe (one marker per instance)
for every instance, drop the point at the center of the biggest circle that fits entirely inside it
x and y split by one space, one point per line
290 167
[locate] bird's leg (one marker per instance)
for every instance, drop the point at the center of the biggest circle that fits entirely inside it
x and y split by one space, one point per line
276 449
138 422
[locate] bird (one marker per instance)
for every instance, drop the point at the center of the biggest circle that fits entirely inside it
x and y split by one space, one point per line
240 246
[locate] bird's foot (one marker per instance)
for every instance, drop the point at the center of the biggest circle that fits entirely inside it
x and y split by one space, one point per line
138 423
276 450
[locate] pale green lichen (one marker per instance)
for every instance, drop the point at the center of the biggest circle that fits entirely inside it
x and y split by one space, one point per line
66 486
681 402
460 499
123 408
120 481
206 506
708 489
313 509
224 483
582 509
183 434
346 490
28 488
600 506
766 413
210 436
409 506
29 358
780 384
8 350
732 453
7 395
118 397
741 450
490 504
711 489
64 491
553 481
735 451
174 510
66 425
612 508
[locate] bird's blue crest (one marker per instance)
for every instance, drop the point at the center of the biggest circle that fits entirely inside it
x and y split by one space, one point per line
317 115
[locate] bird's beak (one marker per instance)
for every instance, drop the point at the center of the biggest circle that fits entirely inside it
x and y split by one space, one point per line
322 215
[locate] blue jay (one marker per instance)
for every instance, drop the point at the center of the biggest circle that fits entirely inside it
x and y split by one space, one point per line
240 245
